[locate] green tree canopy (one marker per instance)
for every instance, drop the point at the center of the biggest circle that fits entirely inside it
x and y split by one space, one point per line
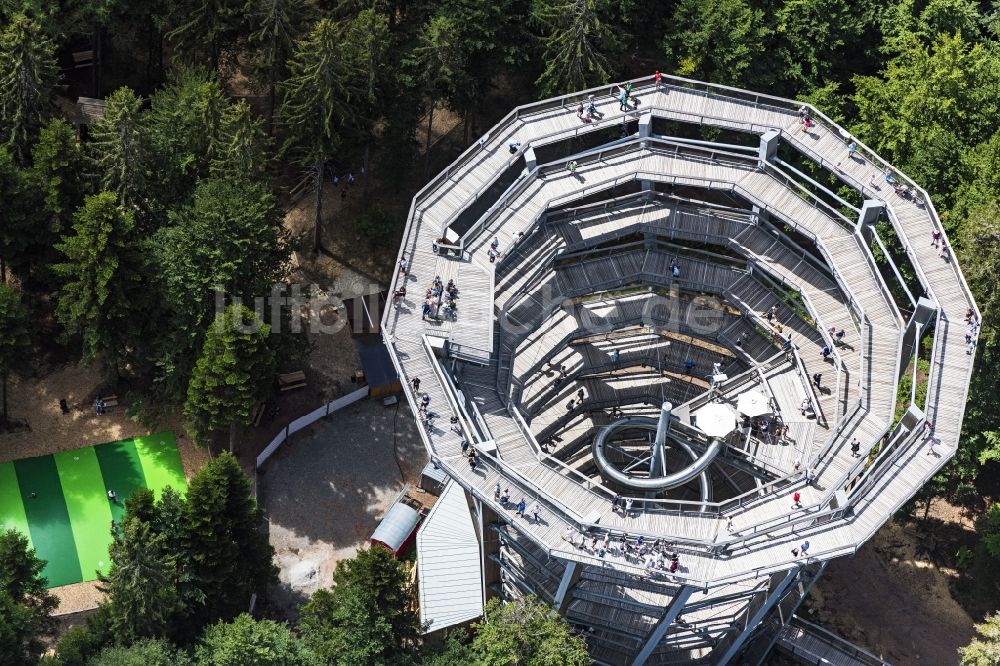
141 583
57 171
206 32
27 76
950 17
316 105
367 616
15 341
25 605
249 642
146 652
813 37
232 375
241 147
20 214
228 554
576 40
276 25
103 290
719 41
931 105
230 238
526 632
117 151
180 131
984 650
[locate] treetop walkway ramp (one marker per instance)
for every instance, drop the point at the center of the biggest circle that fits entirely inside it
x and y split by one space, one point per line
845 499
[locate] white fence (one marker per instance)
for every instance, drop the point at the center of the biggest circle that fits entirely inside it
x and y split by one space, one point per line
311 417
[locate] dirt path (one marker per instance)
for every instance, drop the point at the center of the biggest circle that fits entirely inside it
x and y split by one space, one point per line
893 602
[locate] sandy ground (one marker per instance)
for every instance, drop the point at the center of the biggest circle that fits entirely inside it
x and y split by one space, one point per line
893 601
37 401
326 489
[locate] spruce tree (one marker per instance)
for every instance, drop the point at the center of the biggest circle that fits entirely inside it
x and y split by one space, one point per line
575 45
317 102
15 341
117 152
25 605
141 583
232 375
240 150
227 552
102 295
27 76
57 171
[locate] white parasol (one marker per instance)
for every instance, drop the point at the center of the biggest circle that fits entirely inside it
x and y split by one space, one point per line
753 403
715 419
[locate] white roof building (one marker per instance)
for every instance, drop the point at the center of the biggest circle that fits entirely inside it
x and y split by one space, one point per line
449 570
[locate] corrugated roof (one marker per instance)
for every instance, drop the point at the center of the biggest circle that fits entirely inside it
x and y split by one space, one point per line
396 525
449 569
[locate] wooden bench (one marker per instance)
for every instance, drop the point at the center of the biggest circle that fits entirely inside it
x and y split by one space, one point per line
292 380
83 59
110 401
259 413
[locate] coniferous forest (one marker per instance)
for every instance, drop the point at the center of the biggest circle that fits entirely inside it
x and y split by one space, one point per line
115 233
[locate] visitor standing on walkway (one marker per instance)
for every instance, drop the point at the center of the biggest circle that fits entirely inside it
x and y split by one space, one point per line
521 507
536 512
628 507
817 378
855 448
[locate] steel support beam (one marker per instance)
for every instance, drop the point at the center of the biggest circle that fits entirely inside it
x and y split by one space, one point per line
761 613
768 146
658 632
569 578
871 209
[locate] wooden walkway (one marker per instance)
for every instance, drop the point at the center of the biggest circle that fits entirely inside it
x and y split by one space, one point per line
767 528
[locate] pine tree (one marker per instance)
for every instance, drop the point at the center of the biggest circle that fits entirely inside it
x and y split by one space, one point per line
57 168
102 295
575 45
241 147
231 376
141 583
27 76
20 214
367 617
25 605
116 149
317 103
276 26
15 340
227 552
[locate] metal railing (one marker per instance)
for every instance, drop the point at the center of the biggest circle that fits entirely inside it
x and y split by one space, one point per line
778 104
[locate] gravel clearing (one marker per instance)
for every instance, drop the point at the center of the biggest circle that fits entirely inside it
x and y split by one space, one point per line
326 489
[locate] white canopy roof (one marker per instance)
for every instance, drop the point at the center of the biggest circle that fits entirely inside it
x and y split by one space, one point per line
449 568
